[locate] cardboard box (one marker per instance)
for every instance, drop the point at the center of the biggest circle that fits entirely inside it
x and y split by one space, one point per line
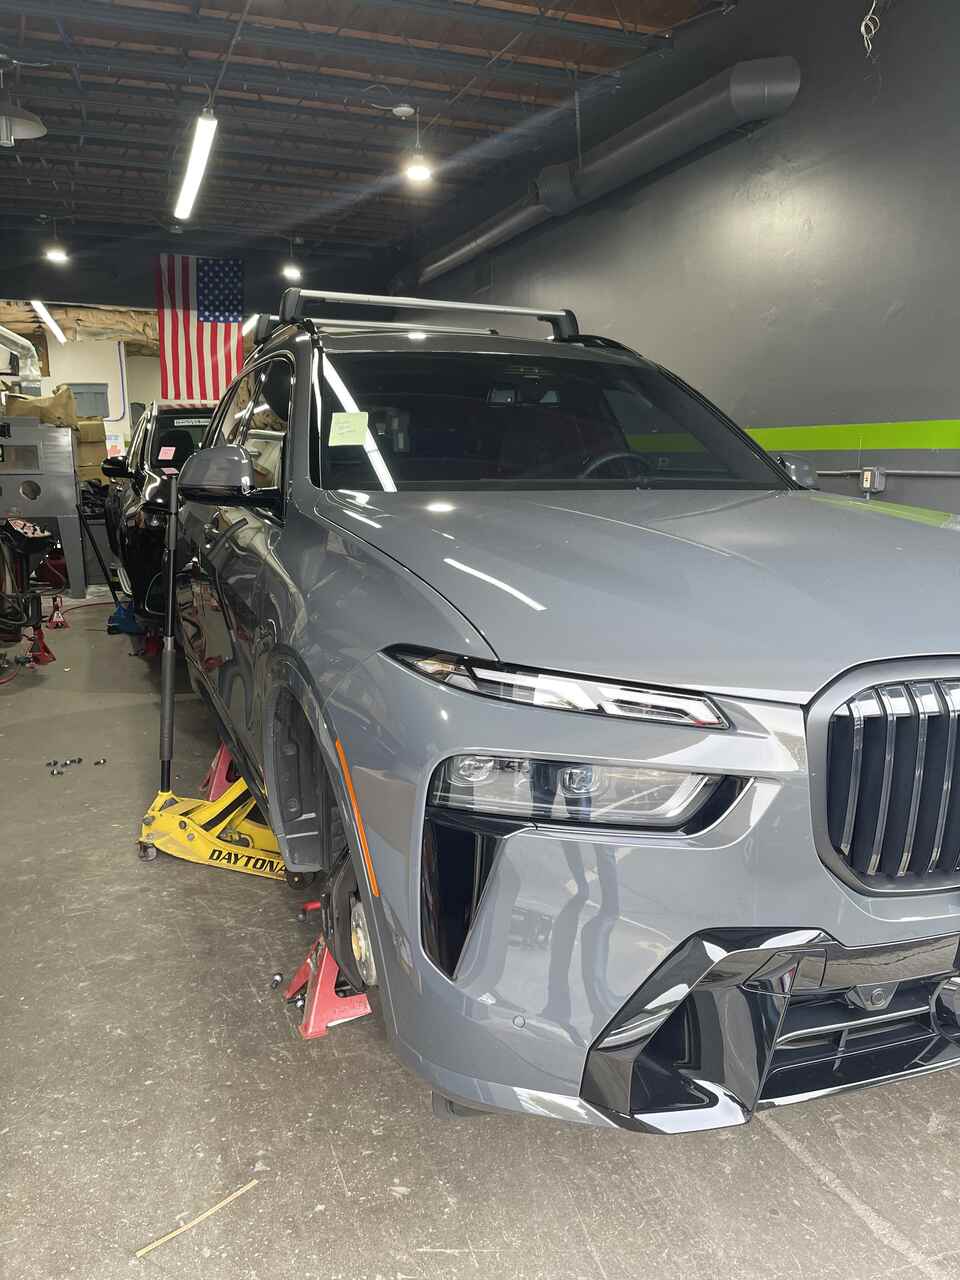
92 430
88 454
59 410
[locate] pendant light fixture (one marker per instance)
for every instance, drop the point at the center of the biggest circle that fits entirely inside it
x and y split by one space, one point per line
417 168
16 122
291 270
55 252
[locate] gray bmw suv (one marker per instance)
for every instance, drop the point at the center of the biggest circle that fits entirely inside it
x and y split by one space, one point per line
630 767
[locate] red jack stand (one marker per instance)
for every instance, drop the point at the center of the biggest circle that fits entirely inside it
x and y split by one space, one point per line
57 621
217 778
38 653
152 646
316 979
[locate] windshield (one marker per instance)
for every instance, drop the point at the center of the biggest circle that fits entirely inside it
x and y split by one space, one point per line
177 435
447 420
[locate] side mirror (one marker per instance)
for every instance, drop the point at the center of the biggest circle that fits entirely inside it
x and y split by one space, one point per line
115 468
221 474
800 470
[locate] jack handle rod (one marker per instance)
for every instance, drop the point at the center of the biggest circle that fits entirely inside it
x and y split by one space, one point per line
168 658
85 529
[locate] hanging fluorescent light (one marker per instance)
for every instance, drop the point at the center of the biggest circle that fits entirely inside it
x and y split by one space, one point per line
290 271
203 133
48 320
56 253
250 323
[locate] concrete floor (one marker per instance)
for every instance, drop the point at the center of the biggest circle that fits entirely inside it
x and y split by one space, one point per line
148 1071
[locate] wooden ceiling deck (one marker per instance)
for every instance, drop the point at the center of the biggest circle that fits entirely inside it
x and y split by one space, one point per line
307 145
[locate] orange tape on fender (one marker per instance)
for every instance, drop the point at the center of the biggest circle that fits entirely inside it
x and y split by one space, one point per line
364 847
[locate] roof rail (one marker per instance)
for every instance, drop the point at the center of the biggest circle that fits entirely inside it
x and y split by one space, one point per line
334 327
563 323
266 325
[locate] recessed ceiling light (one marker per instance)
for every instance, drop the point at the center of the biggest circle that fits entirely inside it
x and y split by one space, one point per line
290 271
56 253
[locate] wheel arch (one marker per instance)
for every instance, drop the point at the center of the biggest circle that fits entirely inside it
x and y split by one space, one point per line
291 691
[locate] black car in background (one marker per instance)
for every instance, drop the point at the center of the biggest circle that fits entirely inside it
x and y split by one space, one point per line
163 439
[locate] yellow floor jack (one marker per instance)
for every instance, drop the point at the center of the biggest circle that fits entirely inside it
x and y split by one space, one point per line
225 828
222 830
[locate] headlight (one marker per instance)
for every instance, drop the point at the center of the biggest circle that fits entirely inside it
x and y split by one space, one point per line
551 791
561 692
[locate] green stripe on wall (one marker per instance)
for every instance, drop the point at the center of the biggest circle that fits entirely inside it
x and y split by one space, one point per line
928 433
919 515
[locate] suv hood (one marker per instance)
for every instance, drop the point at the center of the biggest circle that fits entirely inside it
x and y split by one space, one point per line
757 594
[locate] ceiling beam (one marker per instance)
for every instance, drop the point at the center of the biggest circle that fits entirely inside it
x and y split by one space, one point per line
343 160
209 237
357 203
51 87
282 81
583 30
391 185
36 202
185 27
308 208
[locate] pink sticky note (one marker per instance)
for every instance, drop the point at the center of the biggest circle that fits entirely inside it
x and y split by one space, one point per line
167 452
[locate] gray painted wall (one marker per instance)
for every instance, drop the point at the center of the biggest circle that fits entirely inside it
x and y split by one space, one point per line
806 273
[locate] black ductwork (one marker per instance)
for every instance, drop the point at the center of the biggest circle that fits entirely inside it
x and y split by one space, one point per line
745 94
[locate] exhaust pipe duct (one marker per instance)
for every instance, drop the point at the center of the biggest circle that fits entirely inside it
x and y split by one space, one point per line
745 93
25 352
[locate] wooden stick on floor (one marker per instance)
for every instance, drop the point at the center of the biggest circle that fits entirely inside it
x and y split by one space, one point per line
147 1248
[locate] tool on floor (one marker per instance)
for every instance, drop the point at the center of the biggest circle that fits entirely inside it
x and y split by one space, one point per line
224 829
314 989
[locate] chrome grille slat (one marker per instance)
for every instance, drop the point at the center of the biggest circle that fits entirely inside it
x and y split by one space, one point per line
893 805
944 694
886 702
853 791
920 697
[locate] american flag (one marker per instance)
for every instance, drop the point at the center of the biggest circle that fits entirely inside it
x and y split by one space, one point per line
200 310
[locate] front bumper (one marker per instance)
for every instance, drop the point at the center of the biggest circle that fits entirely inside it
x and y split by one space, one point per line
572 925
739 1020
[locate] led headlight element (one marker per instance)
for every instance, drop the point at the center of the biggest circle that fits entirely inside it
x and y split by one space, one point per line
562 692
554 791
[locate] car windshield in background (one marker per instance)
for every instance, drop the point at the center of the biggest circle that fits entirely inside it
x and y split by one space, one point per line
176 436
448 420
